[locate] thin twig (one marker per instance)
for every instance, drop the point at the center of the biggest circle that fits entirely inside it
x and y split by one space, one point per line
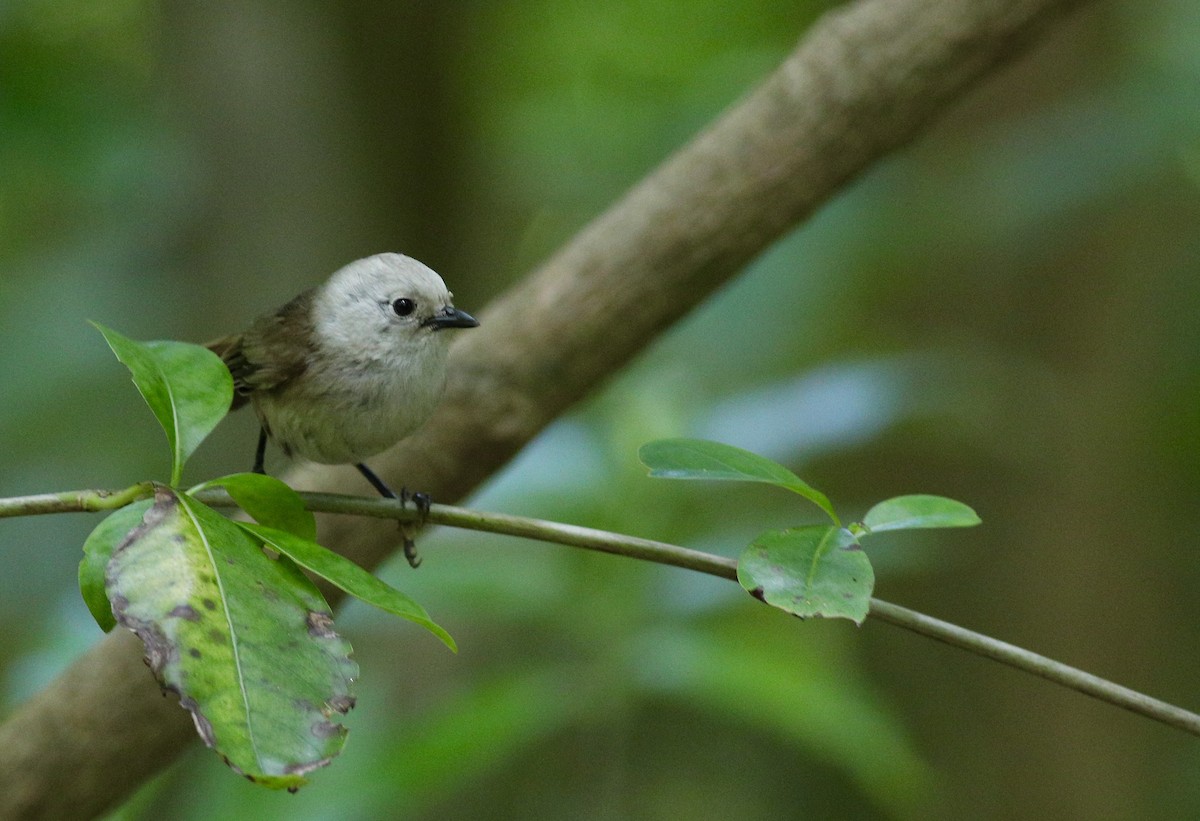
1038 665
651 551
726 568
74 501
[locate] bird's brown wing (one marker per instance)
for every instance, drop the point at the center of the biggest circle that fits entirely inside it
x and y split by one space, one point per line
271 353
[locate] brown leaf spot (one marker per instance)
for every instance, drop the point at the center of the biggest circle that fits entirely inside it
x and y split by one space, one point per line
185 611
327 729
159 650
320 625
343 703
203 725
304 767
164 501
194 652
758 593
209 604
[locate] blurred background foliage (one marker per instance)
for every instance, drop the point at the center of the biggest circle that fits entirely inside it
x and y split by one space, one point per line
1006 312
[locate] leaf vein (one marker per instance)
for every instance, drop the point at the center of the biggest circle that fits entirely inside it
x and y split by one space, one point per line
233 640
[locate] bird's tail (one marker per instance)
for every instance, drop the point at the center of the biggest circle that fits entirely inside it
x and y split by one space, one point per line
229 348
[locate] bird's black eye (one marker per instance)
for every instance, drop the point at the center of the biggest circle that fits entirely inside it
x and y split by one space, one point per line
404 306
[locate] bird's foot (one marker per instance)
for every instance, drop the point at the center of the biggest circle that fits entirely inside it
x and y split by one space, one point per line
407 529
421 502
410 549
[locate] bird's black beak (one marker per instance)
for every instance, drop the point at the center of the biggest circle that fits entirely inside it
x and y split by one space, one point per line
451 317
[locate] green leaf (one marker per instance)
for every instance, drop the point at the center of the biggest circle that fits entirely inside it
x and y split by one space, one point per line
345 574
700 459
269 501
97 550
809 571
186 386
246 641
919 511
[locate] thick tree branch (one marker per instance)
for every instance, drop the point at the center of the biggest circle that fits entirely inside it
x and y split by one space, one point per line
866 80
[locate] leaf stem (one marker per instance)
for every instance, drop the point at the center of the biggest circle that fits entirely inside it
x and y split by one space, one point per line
652 551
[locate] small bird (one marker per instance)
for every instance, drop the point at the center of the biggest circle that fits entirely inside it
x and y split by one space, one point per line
349 368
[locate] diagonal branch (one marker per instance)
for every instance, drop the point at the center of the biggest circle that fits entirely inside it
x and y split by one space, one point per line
866 80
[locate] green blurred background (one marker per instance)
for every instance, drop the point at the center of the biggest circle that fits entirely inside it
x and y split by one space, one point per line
1005 312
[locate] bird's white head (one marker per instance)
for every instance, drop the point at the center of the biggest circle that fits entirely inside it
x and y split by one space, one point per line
384 306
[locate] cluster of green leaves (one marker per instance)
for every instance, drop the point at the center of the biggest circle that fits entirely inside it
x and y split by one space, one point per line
228 619
810 570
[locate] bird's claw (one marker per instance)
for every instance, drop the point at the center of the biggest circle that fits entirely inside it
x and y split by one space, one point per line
410 551
421 501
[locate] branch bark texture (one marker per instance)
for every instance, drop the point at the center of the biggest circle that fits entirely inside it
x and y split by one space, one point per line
865 80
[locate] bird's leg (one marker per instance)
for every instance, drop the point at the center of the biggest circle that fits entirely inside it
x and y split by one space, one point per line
261 452
377 483
421 500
